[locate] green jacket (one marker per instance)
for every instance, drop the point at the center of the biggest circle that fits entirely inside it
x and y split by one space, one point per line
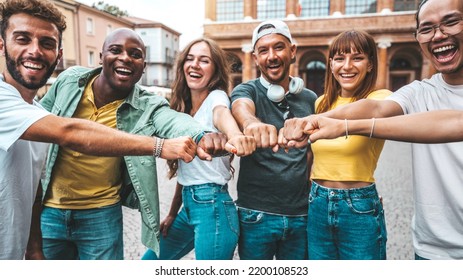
141 113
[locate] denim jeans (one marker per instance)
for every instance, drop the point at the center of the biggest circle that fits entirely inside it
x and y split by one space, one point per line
346 224
208 222
419 258
264 236
93 234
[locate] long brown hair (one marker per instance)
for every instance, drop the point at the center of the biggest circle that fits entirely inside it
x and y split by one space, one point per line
345 42
181 94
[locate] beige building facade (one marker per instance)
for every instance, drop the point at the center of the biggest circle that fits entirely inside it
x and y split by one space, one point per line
313 24
87 28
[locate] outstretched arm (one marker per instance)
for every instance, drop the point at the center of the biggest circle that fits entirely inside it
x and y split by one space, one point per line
224 121
95 139
429 127
265 135
295 129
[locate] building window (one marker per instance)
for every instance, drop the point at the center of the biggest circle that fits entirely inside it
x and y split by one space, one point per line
355 7
406 5
315 8
230 10
90 27
91 58
109 29
271 9
400 64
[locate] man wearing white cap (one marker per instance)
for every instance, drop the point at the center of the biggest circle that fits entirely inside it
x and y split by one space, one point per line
272 183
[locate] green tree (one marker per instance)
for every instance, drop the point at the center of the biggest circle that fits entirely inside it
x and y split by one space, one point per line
111 9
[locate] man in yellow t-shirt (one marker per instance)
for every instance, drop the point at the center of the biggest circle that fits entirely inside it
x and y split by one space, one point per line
83 195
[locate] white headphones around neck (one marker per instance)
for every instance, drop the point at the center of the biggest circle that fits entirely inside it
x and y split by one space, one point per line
276 93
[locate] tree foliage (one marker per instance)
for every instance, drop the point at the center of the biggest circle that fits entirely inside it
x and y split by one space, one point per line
112 9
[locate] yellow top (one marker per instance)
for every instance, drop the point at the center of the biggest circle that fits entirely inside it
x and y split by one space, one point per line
81 181
351 159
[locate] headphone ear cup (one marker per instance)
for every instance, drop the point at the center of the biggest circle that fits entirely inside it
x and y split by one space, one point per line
296 85
275 93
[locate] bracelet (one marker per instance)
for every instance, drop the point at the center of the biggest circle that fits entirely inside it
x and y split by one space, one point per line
347 131
372 127
199 137
158 147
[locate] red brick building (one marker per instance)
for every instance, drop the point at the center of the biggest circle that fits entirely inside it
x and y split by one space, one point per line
313 24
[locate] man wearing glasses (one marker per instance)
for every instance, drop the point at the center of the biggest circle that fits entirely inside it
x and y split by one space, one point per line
272 184
437 169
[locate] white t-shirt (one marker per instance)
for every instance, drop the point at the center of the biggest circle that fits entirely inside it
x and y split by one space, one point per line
21 163
198 171
437 174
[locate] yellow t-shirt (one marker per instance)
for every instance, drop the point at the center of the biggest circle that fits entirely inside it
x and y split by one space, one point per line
81 181
351 159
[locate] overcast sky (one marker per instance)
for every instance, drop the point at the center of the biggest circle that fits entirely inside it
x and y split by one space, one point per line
184 16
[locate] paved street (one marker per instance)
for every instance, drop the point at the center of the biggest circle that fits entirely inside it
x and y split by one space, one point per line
393 177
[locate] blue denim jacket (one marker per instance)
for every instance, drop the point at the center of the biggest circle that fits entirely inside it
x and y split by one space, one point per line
141 113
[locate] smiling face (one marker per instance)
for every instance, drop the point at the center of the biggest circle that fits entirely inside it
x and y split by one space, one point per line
199 67
123 60
31 49
350 70
273 54
445 51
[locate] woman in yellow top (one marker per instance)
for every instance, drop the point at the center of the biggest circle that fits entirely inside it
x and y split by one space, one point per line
346 217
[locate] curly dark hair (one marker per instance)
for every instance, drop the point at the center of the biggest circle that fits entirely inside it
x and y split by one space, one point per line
38 8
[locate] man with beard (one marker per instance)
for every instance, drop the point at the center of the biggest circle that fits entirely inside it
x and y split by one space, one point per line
83 194
437 169
31 32
272 184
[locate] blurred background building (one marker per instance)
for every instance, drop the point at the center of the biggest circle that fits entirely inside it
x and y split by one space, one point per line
86 31
313 24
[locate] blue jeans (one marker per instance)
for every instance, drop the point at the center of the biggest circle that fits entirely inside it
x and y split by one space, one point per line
419 258
346 224
264 236
208 222
93 234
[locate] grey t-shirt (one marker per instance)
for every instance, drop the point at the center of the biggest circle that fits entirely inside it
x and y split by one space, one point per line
274 182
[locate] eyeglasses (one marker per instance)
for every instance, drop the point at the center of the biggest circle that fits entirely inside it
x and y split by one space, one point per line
449 27
283 104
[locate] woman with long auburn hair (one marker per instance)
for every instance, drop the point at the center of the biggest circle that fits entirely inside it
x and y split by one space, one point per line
346 217
208 221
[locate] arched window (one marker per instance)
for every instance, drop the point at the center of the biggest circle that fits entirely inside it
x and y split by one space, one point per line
315 73
400 64
230 10
355 7
271 9
315 8
403 69
236 69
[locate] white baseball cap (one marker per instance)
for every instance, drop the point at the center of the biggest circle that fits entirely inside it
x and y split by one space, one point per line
275 27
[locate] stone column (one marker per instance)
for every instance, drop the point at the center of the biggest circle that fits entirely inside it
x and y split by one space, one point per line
385 6
210 10
250 9
291 8
247 63
383 71
427 69
337 7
